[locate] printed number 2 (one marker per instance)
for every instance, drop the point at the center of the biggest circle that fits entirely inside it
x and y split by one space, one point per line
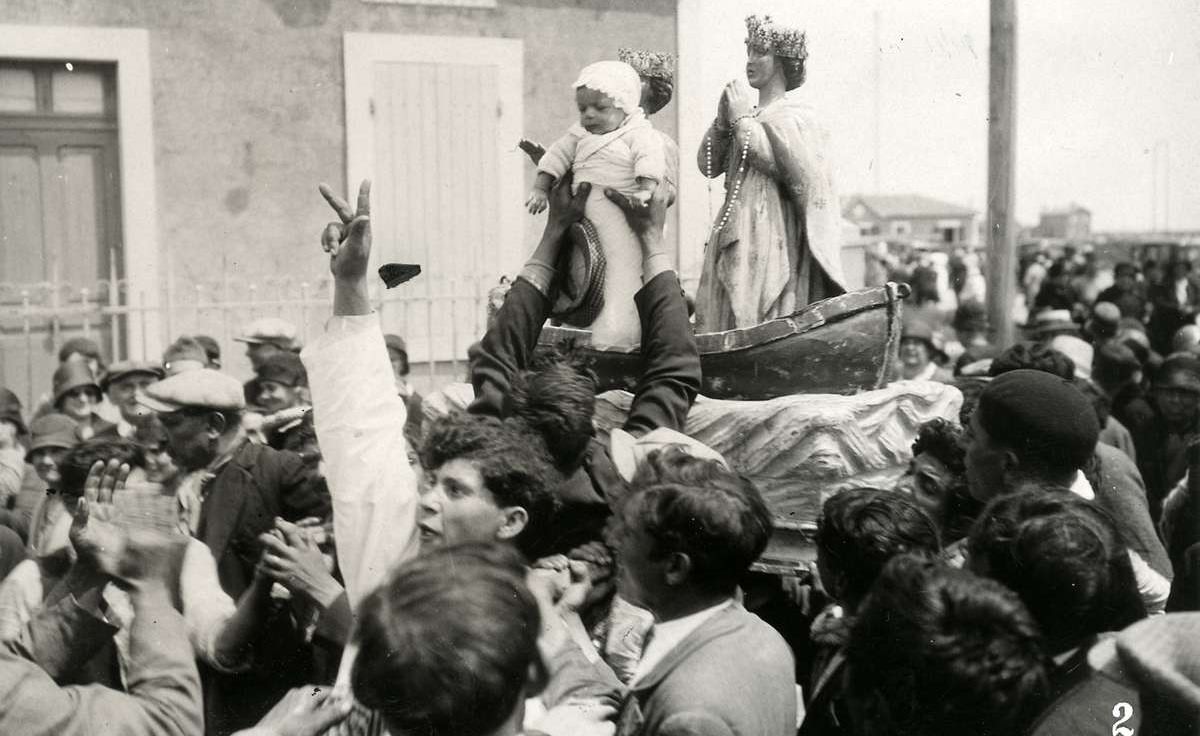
1122 712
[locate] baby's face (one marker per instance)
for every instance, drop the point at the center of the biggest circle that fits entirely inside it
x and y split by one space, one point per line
597 112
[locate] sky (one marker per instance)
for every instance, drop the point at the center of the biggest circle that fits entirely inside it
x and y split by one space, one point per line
1101 85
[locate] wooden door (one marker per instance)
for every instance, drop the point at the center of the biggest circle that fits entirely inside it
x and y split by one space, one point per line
60 239
434 122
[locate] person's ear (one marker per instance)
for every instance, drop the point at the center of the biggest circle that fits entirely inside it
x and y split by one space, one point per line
216 423
536 677
516 518
678 569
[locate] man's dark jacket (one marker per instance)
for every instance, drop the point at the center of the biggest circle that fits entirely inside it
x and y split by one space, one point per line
665 391
243 499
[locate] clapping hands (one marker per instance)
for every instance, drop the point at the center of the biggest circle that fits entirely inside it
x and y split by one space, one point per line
292 558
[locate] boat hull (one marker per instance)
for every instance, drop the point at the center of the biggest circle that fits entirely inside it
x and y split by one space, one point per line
840 345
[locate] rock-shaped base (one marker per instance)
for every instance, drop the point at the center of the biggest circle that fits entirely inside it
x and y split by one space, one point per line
798 449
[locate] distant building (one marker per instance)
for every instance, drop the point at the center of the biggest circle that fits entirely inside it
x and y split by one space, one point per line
1073 222
912 218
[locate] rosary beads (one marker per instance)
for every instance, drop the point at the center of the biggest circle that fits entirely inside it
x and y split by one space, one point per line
738 178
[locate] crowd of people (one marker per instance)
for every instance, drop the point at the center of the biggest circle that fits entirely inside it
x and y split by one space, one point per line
185 553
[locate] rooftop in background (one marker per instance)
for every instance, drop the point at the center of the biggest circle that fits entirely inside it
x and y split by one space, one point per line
887 206
1070 209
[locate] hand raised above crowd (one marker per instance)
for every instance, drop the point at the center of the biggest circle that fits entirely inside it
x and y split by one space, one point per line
348 242
94 534
131 555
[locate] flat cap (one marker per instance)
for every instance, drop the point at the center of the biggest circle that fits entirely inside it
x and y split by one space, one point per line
211 348
272 331
285 369
82 345
1041 416
124 368
202 388
1080 352
185 354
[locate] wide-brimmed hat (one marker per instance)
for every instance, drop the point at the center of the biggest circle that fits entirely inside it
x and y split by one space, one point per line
52 430
581 289
628 452
72 375
10 410
971 316
918 329
1054 322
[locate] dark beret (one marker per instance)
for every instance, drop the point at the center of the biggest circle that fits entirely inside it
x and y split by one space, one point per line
1040 416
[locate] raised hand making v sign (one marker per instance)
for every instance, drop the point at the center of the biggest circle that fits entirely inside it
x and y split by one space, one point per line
348 243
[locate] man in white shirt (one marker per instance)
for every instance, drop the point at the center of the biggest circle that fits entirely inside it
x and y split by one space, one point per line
489 479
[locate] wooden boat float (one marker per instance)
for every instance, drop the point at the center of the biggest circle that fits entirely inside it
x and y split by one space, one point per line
840 345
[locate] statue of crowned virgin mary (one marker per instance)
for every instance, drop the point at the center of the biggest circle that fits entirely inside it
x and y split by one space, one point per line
775 244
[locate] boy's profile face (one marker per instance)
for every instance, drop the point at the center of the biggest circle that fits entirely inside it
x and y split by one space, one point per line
597 112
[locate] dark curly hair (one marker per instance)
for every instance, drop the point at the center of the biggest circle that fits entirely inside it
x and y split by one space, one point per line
556 399
1062 555
970 387
446 645
80 458
656 93
721 524
1034 356
943 439
934 650
794 71
512 461
860 529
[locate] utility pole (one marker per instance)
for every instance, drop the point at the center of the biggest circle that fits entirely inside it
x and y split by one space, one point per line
878 51
1001 216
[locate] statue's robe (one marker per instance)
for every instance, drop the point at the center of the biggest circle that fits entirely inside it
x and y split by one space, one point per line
780 247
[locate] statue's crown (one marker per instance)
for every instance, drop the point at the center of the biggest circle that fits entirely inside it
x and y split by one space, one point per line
764 32
649 63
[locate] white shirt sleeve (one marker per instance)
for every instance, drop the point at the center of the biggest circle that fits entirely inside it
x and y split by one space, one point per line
206 605
359 419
